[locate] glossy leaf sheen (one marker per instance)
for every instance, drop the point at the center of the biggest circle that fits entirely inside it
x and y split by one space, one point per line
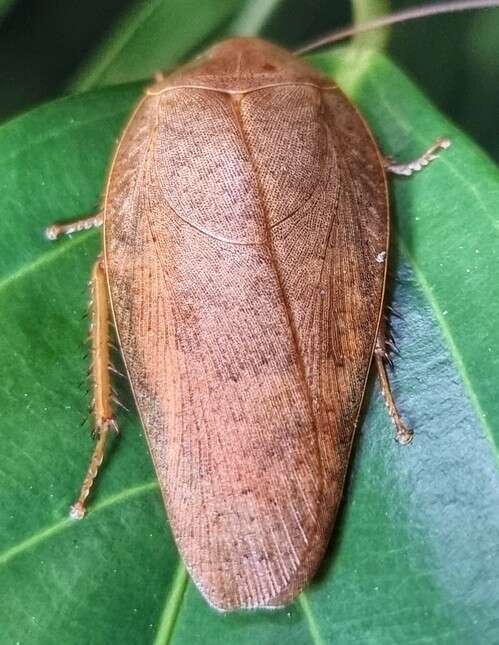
154 36
413 556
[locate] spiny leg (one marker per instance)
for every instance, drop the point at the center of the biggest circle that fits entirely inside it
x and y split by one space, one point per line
403 434
102 403
381 357
74 226
407 169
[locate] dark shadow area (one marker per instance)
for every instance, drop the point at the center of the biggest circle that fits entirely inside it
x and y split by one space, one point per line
43 43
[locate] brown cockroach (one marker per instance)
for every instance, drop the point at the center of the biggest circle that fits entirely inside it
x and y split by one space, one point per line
246 233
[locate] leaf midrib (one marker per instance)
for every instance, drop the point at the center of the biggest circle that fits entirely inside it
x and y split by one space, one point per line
173 605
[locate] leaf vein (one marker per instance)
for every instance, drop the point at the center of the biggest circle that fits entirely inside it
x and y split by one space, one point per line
56 132
50 531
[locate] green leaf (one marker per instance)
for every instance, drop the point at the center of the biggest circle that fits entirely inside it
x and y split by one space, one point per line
253 17
154 36
5 5
413 554
364 12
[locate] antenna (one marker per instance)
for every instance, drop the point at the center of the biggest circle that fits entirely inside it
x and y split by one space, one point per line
399 16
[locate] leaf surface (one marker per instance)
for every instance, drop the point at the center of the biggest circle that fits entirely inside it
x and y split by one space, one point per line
413 556
154 36
5 5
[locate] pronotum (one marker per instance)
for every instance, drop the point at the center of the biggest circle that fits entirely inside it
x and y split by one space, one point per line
246 233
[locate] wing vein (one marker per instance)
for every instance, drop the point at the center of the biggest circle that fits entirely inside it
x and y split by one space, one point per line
292 327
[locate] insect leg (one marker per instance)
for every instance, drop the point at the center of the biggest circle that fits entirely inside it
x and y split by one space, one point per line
56 230
411 167
381 357
101 381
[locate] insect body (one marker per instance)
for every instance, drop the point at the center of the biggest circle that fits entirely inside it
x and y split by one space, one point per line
245 210
245 241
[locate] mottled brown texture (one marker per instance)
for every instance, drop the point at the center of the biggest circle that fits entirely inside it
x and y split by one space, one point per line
245 217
